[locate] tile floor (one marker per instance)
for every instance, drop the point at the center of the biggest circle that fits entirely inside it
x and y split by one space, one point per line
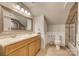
51 51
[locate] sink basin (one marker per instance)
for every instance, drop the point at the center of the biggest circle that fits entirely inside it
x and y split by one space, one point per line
13 36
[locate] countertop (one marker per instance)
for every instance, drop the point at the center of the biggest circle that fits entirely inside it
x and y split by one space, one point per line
11 40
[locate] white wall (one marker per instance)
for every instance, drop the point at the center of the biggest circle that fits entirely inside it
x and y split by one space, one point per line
45 26
40 26
8 4
54 30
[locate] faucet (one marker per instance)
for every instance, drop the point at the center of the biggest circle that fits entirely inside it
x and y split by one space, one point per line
13 35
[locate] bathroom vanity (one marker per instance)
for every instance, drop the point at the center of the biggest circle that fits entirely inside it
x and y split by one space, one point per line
24 45
14 37
17 41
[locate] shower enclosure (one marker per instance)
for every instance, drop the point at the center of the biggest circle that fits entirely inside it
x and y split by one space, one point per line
73 30
71 26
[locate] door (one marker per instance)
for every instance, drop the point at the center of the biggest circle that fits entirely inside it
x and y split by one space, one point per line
32 48
37 45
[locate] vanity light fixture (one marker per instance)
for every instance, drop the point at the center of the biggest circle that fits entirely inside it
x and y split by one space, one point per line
18 7
26 11
22 9
28 14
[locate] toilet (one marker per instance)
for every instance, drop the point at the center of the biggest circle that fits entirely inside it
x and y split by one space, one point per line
57 42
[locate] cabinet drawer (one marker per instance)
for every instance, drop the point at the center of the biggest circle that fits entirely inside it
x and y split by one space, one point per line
23 51
13 47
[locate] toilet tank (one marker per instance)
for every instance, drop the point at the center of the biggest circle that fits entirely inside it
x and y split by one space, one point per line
60 36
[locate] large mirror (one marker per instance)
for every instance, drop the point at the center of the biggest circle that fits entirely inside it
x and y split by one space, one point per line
11 24
13 21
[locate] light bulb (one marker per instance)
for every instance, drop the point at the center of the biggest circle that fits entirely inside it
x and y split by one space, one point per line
29 13
17 7
22 9
26 11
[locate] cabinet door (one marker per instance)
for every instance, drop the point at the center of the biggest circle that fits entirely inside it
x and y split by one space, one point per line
20 52
37 45
32 49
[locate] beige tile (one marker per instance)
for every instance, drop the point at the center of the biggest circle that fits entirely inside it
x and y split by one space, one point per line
51 51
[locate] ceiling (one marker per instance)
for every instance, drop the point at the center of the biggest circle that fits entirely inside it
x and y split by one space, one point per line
55 12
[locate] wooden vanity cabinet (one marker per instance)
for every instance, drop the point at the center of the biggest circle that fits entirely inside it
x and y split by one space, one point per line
27 47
